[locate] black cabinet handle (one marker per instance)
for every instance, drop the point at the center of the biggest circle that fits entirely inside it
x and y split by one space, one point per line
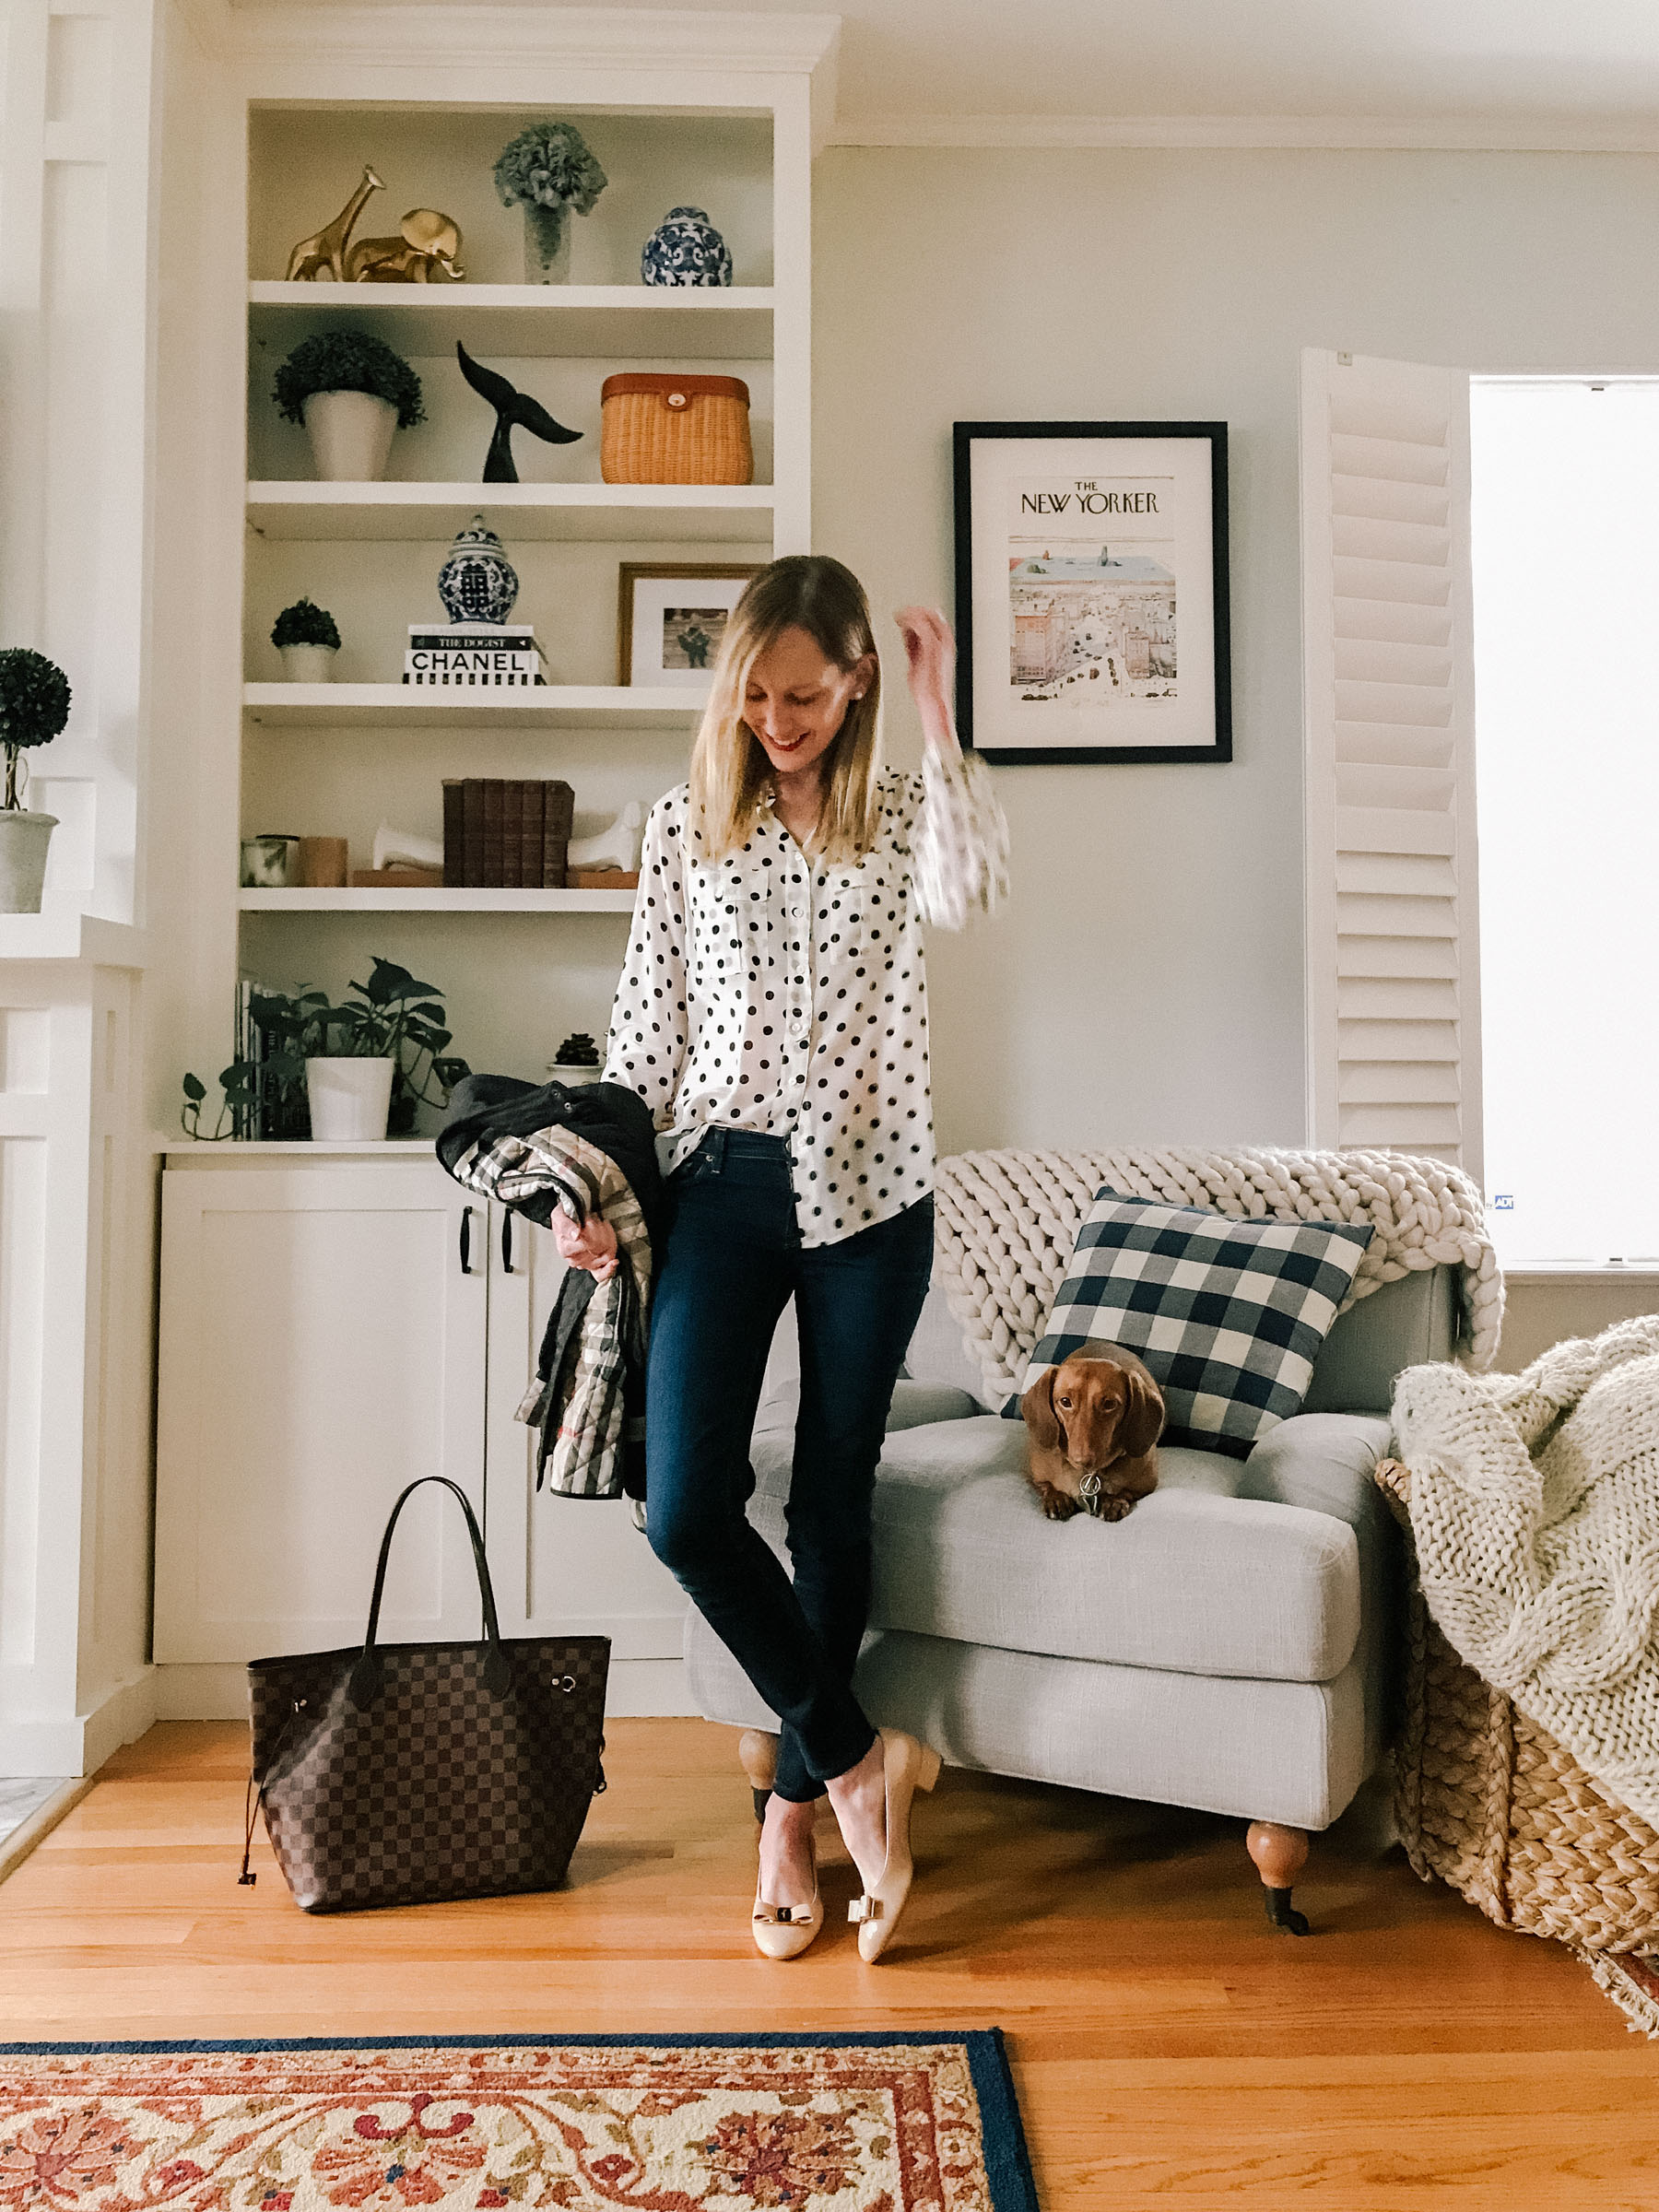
506 1241
466 1215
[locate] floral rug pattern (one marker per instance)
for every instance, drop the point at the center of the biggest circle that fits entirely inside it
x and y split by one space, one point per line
716 2126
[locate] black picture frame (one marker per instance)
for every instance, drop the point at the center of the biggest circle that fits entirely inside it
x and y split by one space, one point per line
965 436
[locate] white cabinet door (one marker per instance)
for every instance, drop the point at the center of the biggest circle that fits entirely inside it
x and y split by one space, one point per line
558 1564
320 1347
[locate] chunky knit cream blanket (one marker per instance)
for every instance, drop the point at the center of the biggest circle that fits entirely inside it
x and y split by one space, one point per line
1535 1510
1007 1222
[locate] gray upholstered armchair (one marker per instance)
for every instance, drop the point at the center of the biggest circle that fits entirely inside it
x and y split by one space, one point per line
1228 1646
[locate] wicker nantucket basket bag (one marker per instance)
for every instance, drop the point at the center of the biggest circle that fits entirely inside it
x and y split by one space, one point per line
1495 1807
675 430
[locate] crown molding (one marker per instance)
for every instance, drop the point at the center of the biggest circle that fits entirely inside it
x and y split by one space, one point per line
1408 134
723 42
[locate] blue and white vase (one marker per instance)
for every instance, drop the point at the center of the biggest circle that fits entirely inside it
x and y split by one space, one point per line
478 582
685 248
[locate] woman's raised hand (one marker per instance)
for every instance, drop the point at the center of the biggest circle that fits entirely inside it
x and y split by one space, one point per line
930 650
590 1244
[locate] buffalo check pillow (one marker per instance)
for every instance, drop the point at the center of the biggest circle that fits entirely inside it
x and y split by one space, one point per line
1227 1315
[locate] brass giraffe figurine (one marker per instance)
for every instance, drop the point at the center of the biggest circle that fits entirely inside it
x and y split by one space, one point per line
327 250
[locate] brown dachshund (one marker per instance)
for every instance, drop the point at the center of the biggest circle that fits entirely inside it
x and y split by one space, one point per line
1094 1423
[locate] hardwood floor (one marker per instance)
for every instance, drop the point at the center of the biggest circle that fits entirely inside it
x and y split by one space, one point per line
1169 2047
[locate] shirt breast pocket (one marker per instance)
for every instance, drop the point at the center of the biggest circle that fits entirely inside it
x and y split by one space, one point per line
728 916
866 900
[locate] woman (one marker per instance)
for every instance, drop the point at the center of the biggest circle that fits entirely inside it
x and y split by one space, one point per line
773 1014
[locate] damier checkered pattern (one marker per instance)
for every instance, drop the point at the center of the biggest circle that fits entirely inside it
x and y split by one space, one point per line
1227 1315
438 1789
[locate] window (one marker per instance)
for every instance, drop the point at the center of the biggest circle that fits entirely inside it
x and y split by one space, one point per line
1565 518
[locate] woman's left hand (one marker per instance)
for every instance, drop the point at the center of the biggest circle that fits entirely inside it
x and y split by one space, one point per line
931 651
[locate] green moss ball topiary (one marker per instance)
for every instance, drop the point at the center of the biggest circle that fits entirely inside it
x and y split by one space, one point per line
305 624
34 698
348 360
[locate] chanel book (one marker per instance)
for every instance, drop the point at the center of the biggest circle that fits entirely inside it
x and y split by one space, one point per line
473 654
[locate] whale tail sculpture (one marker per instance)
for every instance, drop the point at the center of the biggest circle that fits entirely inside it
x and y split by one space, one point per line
514 410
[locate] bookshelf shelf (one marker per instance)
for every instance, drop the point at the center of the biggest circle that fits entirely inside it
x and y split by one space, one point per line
385 706
363 899
585 321
713 513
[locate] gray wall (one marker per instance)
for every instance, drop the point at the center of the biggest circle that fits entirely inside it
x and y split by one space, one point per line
1145 984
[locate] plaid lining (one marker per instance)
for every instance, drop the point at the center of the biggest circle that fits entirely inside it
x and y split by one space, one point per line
1228 1315
581 1408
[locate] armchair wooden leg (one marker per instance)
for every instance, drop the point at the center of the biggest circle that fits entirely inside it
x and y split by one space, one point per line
1280 1854
758 1752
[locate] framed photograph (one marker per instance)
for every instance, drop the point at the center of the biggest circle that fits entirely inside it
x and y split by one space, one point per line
1091 591
670 618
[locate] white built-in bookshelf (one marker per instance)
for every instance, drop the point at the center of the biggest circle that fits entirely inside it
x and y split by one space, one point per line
518 969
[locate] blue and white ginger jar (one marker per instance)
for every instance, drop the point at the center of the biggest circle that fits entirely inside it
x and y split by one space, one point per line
478 582
685 248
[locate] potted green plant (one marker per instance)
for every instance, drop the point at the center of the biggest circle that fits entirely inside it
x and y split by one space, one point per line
577 1060
550 172
34 706
308 637
351 391
354 1072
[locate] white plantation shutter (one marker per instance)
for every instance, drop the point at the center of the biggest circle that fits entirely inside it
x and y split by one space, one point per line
1394 1008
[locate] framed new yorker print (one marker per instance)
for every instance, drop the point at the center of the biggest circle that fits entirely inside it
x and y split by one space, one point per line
1091 591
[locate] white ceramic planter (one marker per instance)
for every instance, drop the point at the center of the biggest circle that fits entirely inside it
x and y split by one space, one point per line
574 1078
349 1099
308 663
24 838
351 435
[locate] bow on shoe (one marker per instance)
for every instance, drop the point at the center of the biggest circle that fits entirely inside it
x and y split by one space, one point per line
864 1908
783 1917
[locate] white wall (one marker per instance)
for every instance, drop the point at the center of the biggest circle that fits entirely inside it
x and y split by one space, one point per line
1145 985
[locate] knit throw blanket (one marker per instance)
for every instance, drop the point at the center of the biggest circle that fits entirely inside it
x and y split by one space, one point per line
1535 1510
1007 1222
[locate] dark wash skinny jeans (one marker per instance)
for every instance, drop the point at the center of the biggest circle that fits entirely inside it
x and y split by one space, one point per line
732 1257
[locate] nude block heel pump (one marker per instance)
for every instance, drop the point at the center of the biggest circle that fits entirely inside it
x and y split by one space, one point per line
780 1930
785 1930
907 1766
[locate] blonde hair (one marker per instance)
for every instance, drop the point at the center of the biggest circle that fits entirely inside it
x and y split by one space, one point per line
730 773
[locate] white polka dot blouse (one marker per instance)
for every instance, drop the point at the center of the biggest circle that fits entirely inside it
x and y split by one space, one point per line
770 993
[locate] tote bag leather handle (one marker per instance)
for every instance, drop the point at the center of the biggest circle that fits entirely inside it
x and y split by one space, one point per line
368 1675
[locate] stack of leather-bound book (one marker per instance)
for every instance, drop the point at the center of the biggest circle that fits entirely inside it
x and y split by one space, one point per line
506 833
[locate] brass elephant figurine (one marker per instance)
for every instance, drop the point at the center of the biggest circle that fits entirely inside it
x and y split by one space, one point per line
427 248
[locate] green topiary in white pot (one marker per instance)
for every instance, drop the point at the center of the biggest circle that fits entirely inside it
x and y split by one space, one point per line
351 391
308 637
34 706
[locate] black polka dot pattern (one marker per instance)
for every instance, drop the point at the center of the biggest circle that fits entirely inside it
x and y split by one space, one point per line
771 992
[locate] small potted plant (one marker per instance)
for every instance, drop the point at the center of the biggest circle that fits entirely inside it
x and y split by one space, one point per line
548 172
359 1069
351 391
308 639
577 1060
34 706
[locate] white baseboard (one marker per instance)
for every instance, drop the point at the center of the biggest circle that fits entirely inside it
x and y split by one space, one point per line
649 1690
639 1689
81 1744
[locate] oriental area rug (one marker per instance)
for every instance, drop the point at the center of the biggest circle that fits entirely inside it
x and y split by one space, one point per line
901 2122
